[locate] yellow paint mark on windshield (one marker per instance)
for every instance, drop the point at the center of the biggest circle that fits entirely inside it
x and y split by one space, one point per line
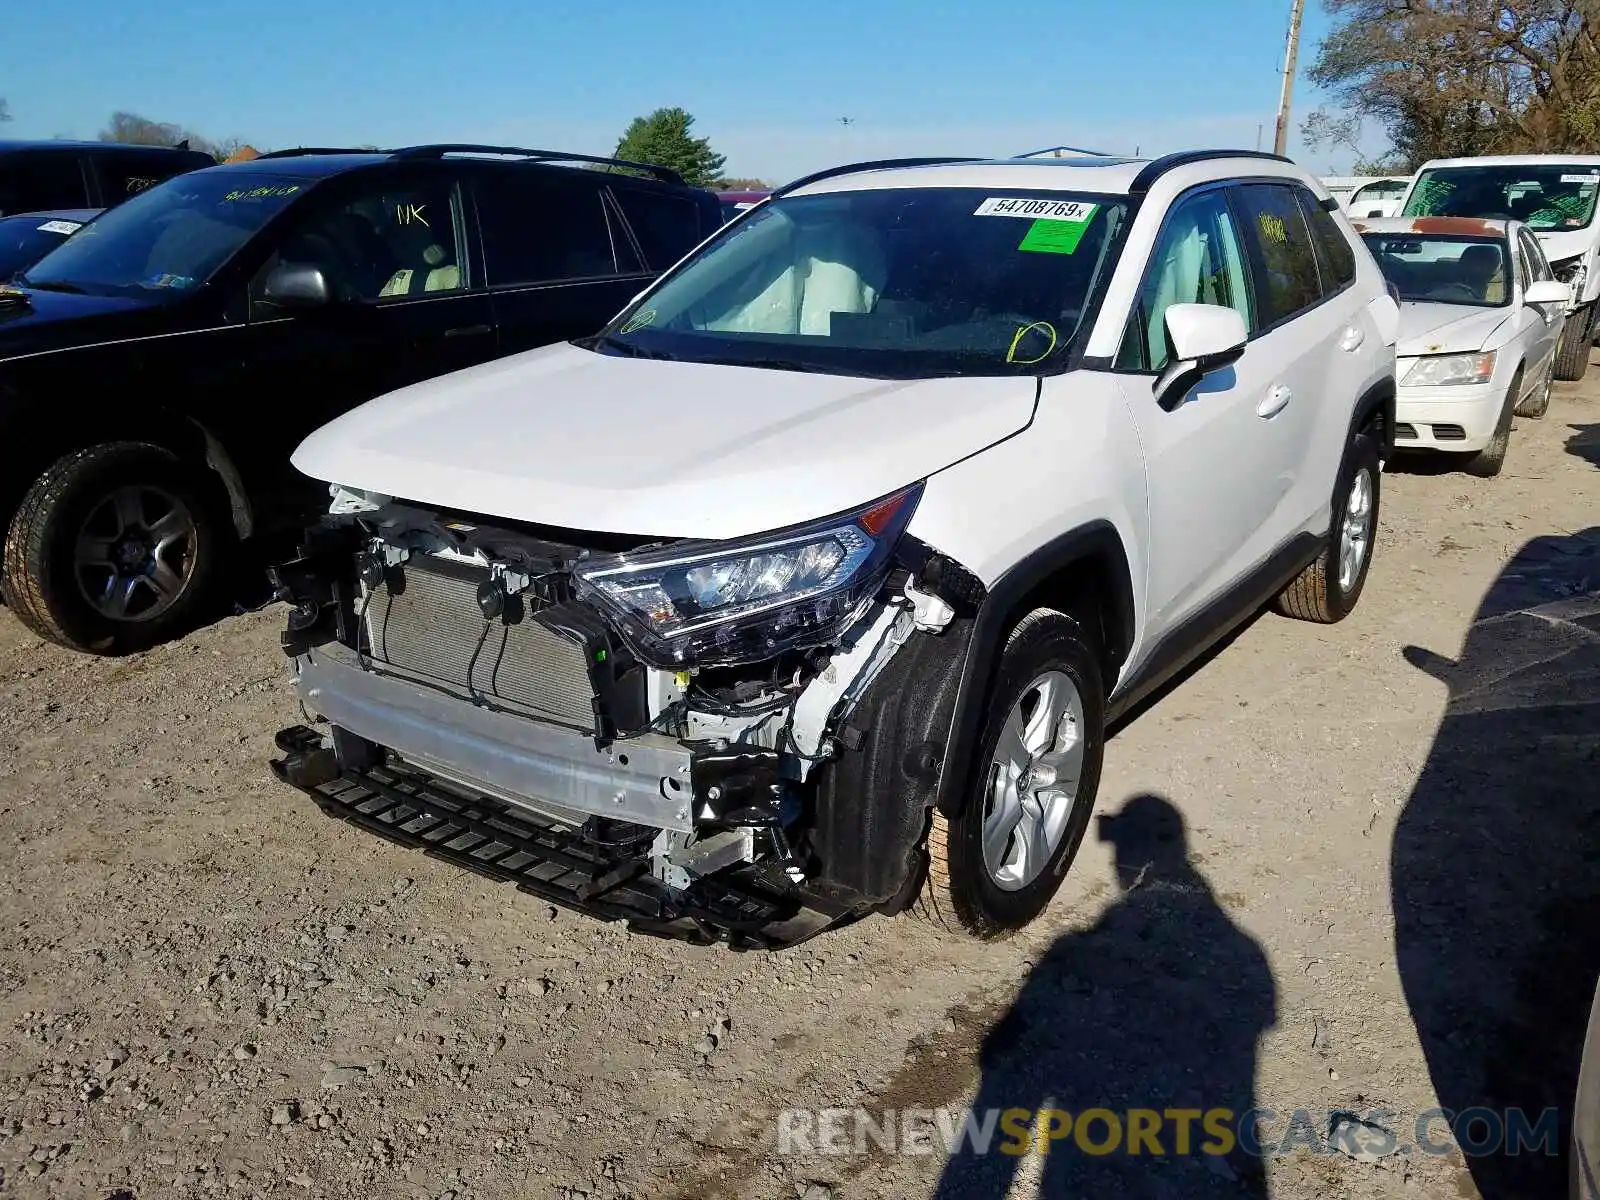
640 319
1022 332
272 192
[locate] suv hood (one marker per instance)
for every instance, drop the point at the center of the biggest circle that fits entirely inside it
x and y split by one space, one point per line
1446 328
568 437
60 320
1561 244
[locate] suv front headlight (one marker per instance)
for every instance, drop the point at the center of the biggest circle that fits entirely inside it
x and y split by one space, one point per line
728 602
1442 370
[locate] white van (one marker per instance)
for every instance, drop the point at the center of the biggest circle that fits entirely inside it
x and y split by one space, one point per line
1554 196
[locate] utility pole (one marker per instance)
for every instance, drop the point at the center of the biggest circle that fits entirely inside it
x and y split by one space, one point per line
1280 143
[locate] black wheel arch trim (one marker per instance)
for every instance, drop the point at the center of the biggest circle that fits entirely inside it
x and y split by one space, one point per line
992 626
1377 400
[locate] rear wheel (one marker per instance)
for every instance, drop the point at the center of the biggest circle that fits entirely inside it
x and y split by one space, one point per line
1572 355
114 548
994 867
1328 589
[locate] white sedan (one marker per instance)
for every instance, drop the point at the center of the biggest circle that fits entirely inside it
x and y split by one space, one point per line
1480 318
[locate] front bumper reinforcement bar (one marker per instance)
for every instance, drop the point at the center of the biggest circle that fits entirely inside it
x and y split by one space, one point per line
600 868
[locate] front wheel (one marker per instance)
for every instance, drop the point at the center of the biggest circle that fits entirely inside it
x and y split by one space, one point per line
1328 589
112 549
1572 355
995 866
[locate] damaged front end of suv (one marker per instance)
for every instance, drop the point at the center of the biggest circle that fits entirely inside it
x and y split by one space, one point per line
729 741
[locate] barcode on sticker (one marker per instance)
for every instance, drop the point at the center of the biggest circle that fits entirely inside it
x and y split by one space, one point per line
61 227
1594 178
1035 210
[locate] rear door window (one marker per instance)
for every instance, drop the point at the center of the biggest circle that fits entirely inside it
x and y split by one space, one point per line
667 227
32 182
1280 244
540 227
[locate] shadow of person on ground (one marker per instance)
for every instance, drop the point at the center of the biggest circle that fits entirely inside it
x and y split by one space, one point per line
1159 1006
1495 870
1585 442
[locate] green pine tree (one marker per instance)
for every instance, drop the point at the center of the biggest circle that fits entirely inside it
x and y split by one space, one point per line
663 139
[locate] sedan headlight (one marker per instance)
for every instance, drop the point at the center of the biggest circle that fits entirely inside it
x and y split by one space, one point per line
1443 370
728 602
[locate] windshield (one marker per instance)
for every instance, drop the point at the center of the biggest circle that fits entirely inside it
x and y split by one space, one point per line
25 240
894 283
1443 270
1546 197
169 239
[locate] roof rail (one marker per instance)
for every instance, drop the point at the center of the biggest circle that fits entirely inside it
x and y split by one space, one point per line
295 151
1156 168
665 174
878 164
1050 151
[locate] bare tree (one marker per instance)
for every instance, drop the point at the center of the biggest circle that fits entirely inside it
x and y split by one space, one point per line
1457 77
131 129
5 112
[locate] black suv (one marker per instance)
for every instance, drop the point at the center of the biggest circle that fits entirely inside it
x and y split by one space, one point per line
35 176
159 367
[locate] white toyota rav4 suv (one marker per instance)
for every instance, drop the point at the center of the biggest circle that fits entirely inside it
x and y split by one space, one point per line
808 587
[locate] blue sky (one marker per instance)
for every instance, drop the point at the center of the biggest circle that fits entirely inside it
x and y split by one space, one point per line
766 81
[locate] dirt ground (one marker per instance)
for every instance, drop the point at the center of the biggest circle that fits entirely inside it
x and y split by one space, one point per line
1365 865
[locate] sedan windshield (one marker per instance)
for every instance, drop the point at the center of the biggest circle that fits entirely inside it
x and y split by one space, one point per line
167 240
1545 197
1443 270
892 283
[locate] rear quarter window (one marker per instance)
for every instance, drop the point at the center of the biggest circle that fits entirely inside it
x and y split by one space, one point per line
667 227
1336 258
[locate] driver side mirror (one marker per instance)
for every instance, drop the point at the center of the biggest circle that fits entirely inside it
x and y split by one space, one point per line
1204 338
1548 291
292 285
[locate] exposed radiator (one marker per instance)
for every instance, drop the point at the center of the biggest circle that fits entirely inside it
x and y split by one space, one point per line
431 625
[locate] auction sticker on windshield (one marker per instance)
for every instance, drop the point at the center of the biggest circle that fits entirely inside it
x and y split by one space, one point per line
61 227
1038 210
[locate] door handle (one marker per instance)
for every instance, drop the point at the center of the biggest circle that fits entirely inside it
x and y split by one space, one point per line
1351 339
1277 400
469 331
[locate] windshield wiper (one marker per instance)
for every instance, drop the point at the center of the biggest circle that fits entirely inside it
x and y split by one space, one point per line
51 285
776 364
632 351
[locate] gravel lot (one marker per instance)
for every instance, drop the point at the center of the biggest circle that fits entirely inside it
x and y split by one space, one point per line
1385 899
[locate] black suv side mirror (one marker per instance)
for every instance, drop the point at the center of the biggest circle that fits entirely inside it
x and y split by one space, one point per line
297 285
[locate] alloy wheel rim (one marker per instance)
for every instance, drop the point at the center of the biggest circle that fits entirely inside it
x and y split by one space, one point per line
1355 537
135 554
1033 781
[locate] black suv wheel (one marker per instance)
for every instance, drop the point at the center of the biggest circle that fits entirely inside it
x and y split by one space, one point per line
113 549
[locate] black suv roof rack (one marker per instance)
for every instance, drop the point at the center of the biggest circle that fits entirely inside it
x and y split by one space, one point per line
665 174
295 151
1158 167
1050 151
877 164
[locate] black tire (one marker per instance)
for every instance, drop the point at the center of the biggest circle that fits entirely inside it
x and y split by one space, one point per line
1316 594
42 582
1535 406
960 895
1486 463
1572 355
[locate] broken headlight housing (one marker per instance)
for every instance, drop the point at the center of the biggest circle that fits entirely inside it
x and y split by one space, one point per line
721 603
